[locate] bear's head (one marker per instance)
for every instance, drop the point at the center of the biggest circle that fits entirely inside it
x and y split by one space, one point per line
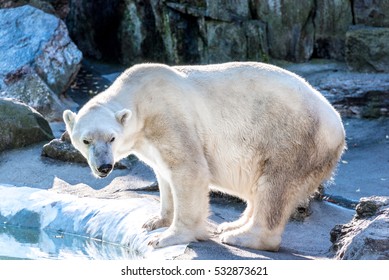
99 134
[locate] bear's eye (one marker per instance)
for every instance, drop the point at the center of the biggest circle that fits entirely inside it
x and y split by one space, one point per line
86 142
112 139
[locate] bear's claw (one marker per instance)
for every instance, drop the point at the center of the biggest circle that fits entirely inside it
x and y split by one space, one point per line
155 223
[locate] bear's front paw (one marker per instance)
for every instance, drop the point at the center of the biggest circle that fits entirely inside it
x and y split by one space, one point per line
224 227
154 242
239 239
169 238
250 240
156 222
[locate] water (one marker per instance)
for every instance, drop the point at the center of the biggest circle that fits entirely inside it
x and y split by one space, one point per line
21 243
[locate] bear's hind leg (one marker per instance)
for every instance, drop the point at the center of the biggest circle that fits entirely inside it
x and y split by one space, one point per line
273 204
244 219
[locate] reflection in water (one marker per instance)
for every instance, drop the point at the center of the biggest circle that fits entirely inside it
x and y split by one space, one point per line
30 243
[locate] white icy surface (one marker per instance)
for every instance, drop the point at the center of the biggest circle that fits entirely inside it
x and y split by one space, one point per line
117 221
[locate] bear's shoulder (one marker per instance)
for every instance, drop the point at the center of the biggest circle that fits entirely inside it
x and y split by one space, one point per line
149 69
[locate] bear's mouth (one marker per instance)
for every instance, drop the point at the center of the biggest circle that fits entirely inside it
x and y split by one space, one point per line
102 175
104 170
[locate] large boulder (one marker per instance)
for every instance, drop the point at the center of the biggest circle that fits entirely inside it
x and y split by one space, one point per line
367 49
21 125
371 12
367 235
38 60
56 7
62 149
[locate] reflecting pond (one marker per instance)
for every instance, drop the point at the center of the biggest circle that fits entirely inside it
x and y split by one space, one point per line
29 243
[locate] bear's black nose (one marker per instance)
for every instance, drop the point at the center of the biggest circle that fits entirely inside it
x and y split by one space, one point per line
105 168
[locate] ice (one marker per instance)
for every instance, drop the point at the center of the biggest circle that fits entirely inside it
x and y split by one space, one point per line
113 221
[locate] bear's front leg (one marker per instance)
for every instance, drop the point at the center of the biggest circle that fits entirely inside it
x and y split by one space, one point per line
190 200
165 218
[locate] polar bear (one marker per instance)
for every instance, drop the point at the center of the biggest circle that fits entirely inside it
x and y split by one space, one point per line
248 129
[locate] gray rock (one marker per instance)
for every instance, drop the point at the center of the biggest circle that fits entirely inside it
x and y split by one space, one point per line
32 90
59 8
368 206
228 10
332 20
367 49
367 235
371 12
20 125
182 34
290 27
200 32
36 57
62 150
228 41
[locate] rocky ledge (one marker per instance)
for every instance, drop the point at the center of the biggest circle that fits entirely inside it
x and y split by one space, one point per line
366 236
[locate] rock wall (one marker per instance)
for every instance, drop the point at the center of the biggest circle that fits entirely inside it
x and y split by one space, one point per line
205 31
332 20
212 31
208 31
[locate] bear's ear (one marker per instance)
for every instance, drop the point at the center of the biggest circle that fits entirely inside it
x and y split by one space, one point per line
68 117
123 116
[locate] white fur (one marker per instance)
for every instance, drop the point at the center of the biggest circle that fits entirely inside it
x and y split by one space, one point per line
249 129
